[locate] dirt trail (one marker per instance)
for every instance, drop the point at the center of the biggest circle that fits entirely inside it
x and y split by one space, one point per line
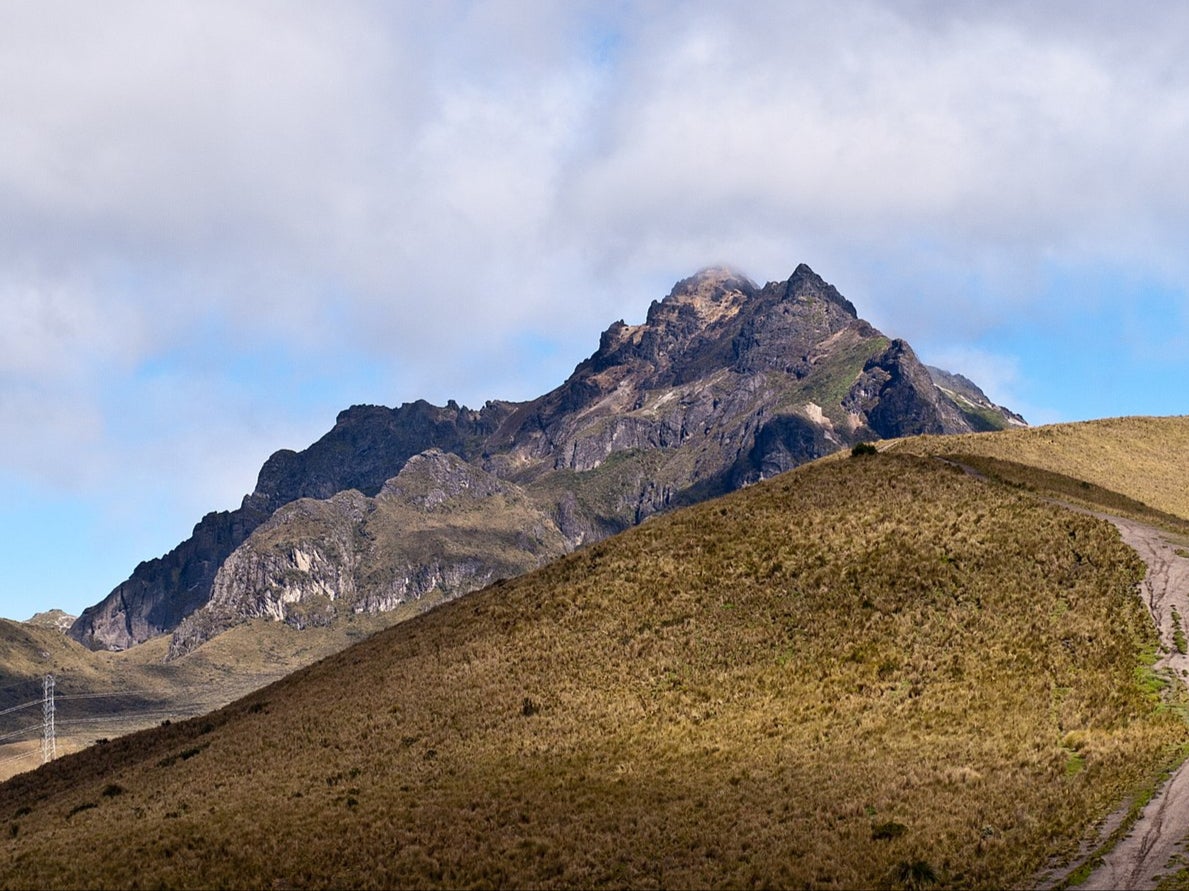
1142 857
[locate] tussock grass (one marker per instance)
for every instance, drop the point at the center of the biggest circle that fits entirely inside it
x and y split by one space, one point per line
1072 490
1145 459
861 673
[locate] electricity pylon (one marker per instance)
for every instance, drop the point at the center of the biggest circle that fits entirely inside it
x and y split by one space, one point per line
49 746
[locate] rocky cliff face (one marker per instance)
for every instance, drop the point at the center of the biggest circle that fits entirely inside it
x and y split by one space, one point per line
163 591
980 412
367 445
724 383
440 526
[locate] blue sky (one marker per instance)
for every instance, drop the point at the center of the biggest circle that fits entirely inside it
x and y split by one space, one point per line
224 222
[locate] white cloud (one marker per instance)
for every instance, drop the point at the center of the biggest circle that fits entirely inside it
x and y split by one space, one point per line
331 173
417 185
869 129
261 161
53 330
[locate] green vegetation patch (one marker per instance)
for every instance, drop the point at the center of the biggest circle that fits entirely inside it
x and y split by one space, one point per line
834 374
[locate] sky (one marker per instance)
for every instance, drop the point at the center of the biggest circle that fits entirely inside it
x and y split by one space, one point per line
223 222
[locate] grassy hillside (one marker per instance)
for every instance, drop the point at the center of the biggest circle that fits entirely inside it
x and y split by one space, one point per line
867 672
1144 459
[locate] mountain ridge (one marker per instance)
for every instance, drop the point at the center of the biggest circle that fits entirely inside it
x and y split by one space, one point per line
723 384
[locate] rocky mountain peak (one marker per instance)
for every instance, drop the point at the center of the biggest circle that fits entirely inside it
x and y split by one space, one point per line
805 284
57 619
433 478
725 383
714 293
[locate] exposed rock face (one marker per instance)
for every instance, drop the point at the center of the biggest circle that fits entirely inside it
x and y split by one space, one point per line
725 383
980 412
57 619
440 524
897 397
163 591
368 445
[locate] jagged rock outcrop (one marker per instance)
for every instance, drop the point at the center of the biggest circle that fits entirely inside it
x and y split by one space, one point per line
367 445
896 396
980 412
441 524
723 384
163 591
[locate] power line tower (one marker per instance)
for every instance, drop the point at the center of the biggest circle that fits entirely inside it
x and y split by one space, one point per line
49 746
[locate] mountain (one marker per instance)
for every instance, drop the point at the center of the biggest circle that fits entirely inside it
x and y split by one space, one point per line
440 524
54 618
869 672
980 412
724 384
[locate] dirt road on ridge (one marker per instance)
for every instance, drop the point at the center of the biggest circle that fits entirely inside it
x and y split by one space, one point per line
1142 857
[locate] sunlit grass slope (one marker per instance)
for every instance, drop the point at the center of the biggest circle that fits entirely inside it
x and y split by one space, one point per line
1142 458
865 672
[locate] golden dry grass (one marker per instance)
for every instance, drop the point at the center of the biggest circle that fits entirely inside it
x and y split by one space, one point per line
1143 458
821 681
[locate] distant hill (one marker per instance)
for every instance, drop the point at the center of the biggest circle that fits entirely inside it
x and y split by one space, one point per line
1141 458
877 671
54 618
102 695
724 384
